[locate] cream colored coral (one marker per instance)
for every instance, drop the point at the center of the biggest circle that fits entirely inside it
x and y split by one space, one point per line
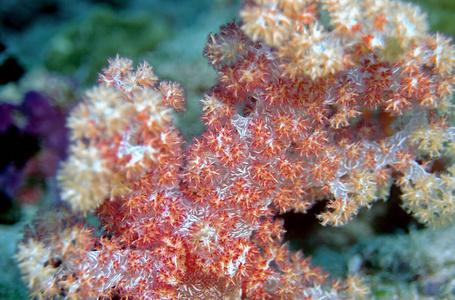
84 178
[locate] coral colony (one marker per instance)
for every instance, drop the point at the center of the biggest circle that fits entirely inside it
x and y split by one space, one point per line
304 110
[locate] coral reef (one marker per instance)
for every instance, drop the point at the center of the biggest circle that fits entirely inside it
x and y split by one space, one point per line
304 110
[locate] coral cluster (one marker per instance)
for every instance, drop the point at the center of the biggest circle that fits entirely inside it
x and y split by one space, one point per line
303 111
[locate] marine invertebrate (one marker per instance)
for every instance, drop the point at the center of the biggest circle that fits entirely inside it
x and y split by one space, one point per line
300 113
